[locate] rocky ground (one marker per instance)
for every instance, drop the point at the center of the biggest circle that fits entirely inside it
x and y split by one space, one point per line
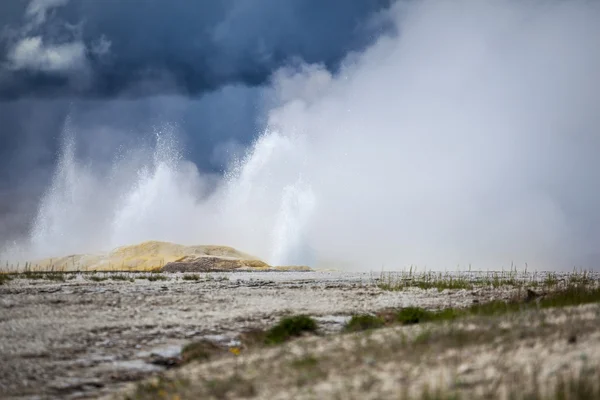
88 337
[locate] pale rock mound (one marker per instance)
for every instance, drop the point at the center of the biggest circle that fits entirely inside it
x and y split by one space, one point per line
164 256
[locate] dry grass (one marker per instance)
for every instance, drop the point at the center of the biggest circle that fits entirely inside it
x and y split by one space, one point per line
472 280
202 350
416 341
351 366
572 294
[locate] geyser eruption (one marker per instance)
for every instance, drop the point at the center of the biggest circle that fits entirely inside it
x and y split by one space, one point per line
155 194
290 244
159 200
470 137
66 208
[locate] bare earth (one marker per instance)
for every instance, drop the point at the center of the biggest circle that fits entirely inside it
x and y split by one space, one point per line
86 339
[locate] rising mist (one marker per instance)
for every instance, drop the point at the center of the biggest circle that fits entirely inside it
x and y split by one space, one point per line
468 136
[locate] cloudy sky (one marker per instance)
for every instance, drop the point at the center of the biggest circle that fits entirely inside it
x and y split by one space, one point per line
118 64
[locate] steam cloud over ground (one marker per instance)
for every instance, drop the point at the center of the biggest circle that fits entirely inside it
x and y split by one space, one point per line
466 133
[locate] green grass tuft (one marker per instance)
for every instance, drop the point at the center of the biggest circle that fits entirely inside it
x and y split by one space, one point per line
290 327
4 278
34 275
122 277
470 280
414 315
571 296
363 322
194 277
95 278
424 281
156 277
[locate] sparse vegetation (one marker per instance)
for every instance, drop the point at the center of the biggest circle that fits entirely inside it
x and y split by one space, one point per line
296 376
414 315
236 386
201 350
574 294
159 388
114 277
423 281
156 277
290 327
4 278
308 370
363 322
471 280
420 340
571 296
32 275
122 277
162 388
96 278
193 277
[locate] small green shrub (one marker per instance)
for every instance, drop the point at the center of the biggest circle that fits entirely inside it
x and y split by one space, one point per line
363 322
156 277
55 276
194 277
290 327
96 278
121 277
495 307
414 315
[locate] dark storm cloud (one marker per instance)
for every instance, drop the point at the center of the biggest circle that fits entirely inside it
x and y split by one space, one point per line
116 67
110 47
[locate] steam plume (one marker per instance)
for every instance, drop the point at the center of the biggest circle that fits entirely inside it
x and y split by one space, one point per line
470 137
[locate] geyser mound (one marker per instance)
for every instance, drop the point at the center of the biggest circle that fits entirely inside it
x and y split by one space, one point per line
159 256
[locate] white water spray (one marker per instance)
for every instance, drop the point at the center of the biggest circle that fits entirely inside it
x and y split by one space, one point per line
290 236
